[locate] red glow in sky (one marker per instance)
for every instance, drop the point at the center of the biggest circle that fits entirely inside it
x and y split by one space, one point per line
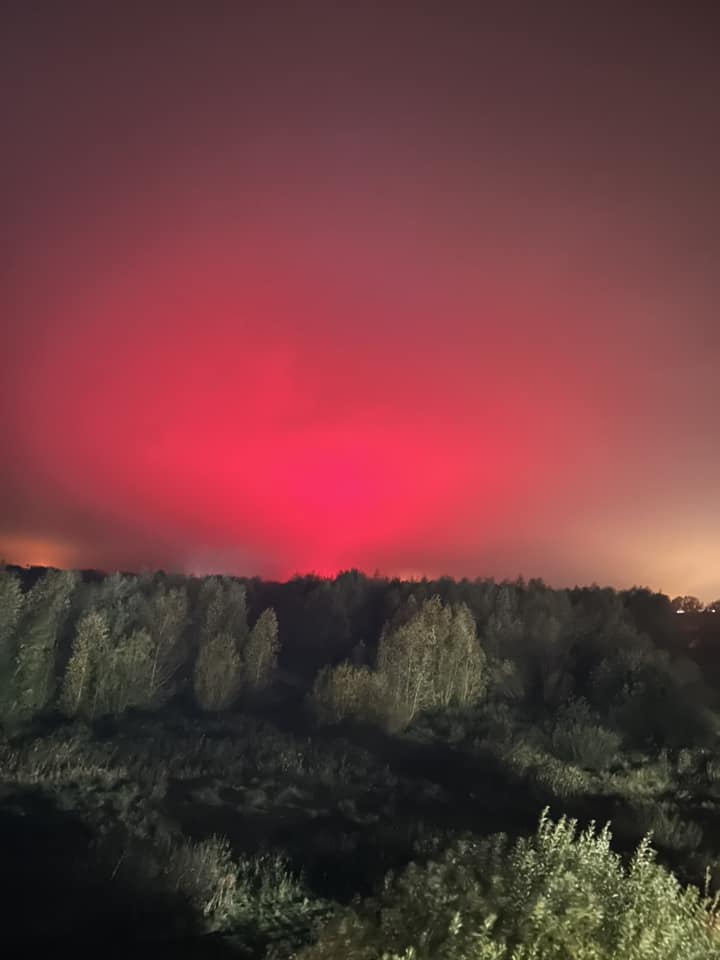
378 289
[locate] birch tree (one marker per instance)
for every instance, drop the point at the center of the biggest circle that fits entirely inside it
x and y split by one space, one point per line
44 610
217 678
218 671
90 653
261 652
432 660
11 600
165 616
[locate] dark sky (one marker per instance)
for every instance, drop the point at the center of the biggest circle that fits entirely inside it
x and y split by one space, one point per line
423 287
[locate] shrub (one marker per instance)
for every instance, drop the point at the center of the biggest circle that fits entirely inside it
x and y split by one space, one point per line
346 692
561 894
690 762
712 769
252 892
651 779
667 827
563 780
67 757
522 757
203 872
578 738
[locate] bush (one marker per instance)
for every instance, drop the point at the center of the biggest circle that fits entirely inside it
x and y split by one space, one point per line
560 894
580 739
652 778
690 762
346 692
204 872
67 757
563 780
522 756
258 893
667 827
712 769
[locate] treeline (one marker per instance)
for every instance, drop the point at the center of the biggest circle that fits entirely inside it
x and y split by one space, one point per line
358 648
101 647
459 708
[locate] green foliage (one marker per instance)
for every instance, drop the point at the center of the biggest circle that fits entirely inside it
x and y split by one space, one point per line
165 616
465 758
429 658
261 652
654 700
126 680
504 629
561 894
505 680
667 827
550 777
106 675
218 671
521 755
90 657
563 780
206 874
346 692
217 677
712 769
11 599
44 610
222 608
649 779
690 762
119 599
580 739
433 659
258 894
66 757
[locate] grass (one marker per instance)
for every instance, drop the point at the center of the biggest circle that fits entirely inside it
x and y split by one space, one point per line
263 833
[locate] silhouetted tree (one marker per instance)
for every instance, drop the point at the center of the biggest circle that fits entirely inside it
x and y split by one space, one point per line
504 630
687 604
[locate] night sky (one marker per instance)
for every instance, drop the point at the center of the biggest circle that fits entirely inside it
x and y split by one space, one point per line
429 288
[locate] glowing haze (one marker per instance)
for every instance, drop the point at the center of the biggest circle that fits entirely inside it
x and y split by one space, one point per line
424 288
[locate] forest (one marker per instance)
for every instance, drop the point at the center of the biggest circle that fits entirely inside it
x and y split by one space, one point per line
360 767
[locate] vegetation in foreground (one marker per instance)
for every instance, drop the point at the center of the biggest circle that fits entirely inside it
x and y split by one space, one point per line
358 768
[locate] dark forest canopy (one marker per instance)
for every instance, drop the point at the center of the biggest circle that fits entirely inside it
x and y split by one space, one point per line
353 606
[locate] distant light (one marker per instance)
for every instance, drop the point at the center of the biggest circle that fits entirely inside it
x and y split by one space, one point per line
679 611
